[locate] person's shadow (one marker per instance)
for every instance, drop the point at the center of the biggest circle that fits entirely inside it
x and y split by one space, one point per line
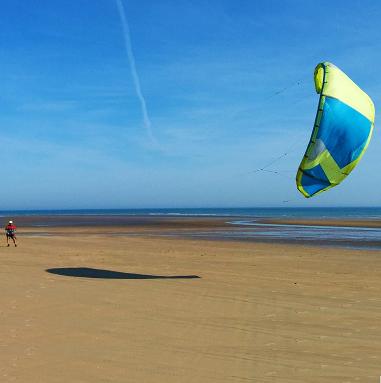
87 272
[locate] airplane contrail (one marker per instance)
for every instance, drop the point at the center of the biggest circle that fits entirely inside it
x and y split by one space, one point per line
127 40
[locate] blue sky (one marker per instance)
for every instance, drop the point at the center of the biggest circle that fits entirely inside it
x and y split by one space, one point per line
76 133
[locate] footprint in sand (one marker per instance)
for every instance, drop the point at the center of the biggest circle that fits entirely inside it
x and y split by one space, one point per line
14 364
13 335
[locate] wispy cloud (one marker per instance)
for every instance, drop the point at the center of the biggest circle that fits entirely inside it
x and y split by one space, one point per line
135 77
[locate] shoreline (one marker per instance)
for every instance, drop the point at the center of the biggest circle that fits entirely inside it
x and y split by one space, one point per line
178 221
359 234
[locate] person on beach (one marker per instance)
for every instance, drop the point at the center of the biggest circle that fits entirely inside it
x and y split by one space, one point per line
11 229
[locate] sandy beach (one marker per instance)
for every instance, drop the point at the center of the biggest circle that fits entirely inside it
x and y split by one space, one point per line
80 304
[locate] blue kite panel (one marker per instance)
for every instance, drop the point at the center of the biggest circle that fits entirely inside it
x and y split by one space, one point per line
344 131
314 180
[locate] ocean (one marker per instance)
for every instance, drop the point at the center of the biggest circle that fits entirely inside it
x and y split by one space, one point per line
253 213
244 221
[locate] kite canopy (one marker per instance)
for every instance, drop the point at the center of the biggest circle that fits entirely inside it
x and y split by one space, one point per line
341 133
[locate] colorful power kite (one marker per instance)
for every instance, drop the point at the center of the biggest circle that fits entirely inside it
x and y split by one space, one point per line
341 133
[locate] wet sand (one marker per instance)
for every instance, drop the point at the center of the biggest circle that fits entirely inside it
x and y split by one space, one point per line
327 222
80 305
147 223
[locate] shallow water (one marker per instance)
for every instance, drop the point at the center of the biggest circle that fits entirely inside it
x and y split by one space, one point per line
325 236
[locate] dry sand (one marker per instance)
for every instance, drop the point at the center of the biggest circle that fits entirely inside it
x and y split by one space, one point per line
103 308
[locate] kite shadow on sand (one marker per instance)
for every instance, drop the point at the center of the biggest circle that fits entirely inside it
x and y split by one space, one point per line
87 272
